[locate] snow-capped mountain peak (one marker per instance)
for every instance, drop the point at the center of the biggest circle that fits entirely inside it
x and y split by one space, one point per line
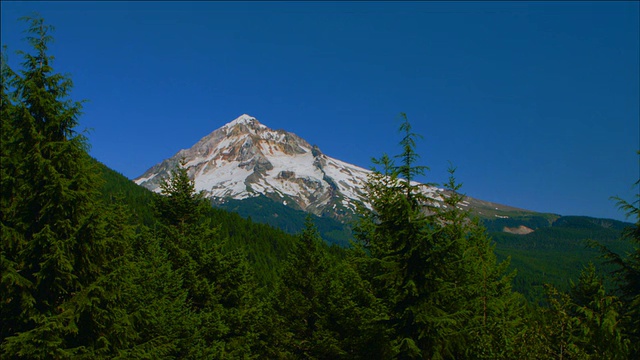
245 158
246 120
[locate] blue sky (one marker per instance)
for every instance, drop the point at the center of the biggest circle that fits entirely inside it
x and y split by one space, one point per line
536 103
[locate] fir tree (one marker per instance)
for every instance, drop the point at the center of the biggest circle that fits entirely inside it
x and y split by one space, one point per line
301 300
156 303
12 240
598 315
219 286
585 323
354 312
434 268
61 254
627 271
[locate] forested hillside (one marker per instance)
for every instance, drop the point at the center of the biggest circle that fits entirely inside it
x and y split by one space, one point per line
93 267
555 252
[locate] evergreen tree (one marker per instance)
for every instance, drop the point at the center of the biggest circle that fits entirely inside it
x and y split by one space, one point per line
322 309
560 328
12 240
354 312
62 255
408 169
585 323
220 289
627 271
302 300
434 268
598 314
156 303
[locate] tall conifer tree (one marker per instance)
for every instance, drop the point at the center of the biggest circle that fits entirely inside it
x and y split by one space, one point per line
60 255
433 267
302 299
219 286
626 271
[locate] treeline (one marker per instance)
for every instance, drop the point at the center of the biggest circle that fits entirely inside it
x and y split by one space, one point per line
261 209
554 253
265 247
89 271
557 254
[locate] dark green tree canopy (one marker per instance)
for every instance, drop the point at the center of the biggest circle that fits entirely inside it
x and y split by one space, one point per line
61 248
181 205
434 268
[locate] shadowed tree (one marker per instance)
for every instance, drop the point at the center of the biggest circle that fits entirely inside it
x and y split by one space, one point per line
434 268
62 251
627 271
219 286
302 300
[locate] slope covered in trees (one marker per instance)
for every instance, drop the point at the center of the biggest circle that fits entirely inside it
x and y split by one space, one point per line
93 268
554 253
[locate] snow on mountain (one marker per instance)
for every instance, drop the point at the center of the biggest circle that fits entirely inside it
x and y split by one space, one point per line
245 158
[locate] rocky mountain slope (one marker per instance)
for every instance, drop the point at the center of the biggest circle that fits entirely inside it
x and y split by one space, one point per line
245 159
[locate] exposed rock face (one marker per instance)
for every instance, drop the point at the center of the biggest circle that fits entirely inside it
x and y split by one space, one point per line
245 158
520 230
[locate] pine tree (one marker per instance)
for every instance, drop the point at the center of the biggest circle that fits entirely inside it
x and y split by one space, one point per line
302 300
12 240
627 271
585 323
354 312
434 268
61 255
220 288
560 329
156 303
598 314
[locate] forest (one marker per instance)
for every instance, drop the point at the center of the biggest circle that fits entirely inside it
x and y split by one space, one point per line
93 266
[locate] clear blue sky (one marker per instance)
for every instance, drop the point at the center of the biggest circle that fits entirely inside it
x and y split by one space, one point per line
536 103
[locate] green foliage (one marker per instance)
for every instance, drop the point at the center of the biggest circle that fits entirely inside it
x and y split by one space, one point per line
220 289
323 309
180 207
301 299
434 269
117 188
599 315
93 266
154 303
62 249
408 170
586 323
557 253
266 248
626 269
261 209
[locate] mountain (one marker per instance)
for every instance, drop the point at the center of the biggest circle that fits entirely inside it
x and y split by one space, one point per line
246 159
554 252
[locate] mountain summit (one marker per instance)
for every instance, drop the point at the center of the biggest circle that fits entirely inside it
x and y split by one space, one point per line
245 158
